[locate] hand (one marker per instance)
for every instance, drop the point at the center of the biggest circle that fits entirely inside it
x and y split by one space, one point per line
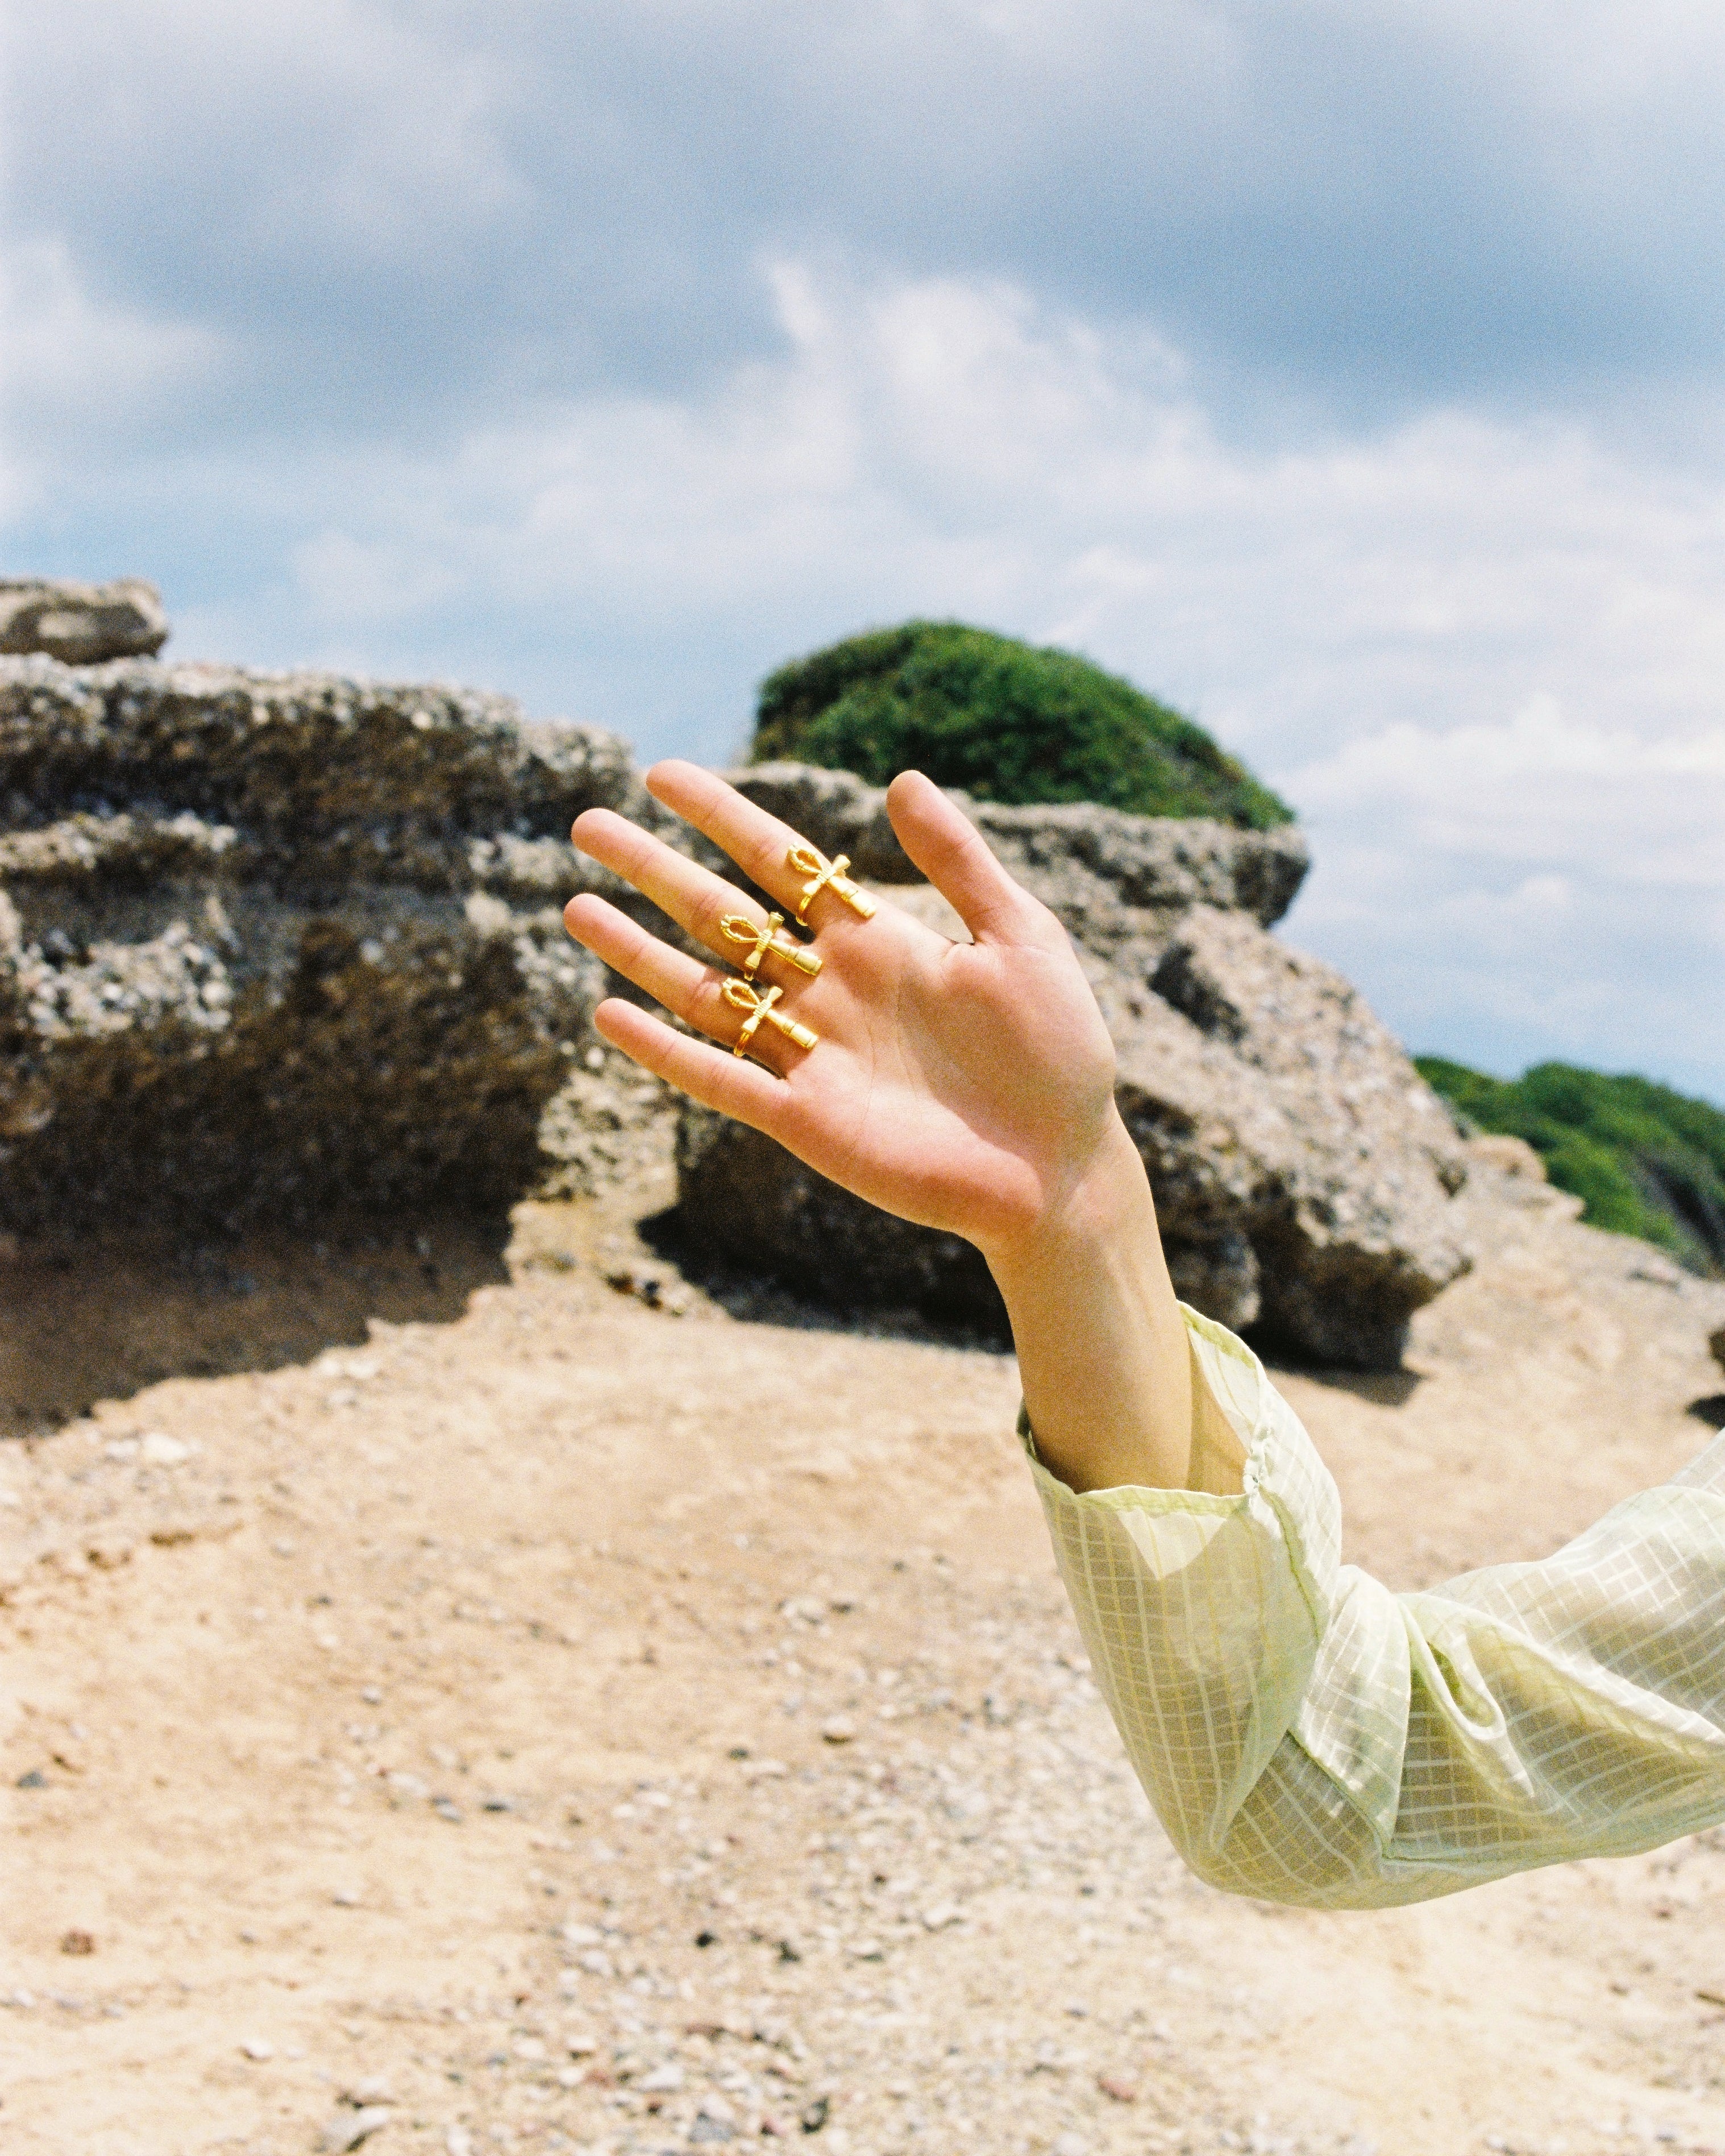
968 1086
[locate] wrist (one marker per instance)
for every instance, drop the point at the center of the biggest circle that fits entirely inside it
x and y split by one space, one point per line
1103 1202
1102 1346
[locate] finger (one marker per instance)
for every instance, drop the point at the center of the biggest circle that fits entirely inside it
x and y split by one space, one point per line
692 896
954 856
691 991
757 842
729 1083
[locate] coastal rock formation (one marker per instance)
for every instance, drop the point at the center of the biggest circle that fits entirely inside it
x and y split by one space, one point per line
273 944
81 624
1302 1169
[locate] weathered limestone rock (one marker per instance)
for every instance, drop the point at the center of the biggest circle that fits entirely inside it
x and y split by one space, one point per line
81 623
274 943
1302 1169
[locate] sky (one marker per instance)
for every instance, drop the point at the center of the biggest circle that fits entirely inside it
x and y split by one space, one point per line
1350 373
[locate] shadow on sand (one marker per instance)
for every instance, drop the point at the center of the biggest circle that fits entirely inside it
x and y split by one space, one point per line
762 1299
102 1317
1383 1388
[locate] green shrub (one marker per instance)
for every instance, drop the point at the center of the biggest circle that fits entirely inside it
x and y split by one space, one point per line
1004 722
1646 1160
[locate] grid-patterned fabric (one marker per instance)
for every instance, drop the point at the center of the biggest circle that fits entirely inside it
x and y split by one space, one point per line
1306 1735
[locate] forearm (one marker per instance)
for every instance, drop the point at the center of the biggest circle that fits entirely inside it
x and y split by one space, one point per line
1308 1737
1101 1348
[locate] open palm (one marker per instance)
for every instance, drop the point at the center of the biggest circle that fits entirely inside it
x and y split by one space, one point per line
964 1085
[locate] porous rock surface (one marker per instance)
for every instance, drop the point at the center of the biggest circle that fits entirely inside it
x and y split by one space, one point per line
1302 1169
274 943
270 943
81 623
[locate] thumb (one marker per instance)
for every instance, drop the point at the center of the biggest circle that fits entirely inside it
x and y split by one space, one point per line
953 854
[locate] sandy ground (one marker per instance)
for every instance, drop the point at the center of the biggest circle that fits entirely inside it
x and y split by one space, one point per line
449 1700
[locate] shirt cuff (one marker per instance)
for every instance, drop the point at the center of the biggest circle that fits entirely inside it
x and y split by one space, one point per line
1250 1454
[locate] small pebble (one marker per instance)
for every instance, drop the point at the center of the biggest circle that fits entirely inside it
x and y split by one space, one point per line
347 2129
158 1451
254 2047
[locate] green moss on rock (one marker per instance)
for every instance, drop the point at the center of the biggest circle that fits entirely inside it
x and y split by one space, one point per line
1002 720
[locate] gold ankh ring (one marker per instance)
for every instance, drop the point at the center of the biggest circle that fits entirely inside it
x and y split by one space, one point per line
741 997
827 876
740 929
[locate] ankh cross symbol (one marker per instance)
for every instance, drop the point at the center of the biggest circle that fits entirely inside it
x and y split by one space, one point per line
828 876
740 929
741 997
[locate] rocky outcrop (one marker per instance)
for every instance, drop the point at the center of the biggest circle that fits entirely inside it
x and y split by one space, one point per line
1101 870
1301 1166
1302 1169
81 624
274 943
271 944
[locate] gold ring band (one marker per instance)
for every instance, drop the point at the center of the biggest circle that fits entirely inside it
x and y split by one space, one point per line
826 875
741 996
738 928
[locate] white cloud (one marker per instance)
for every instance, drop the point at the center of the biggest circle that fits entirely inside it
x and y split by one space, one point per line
68 359
1541 786
343 127
1545 886
1485 661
